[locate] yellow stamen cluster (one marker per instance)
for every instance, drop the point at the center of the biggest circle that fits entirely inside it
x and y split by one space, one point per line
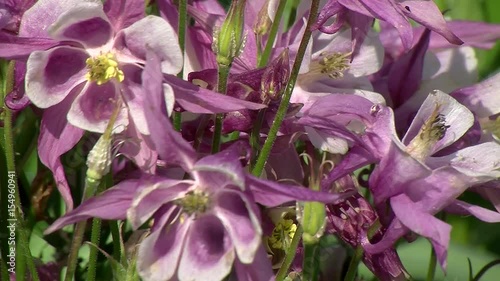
194 202
103 68
282 234
332 65
431 132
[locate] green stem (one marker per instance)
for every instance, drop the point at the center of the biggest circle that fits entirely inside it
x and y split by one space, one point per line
94 239
431 270
255 135
223 74
96 231
90 189
290 254
115 234
181 31
285 101
272 35
353 265
24 258
310 264
485 269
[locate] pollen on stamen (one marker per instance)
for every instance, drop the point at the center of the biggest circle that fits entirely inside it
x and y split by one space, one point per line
103 68
331 64
194 203
433 130
282 234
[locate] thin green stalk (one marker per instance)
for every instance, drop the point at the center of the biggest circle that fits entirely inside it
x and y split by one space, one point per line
272 35
96 232
285 101
181 30
115 234
290 254
485 269
353 265
223 74
255 134
431 270
24 258
94 239
310 264
90 189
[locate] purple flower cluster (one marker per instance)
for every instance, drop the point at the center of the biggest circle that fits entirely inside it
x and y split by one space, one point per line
395 100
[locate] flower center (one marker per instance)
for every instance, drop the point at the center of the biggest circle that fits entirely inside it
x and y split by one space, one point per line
194 202
431 132
283 234
102 68
333 65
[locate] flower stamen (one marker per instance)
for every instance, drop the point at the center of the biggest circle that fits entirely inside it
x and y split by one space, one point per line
333 64
103 68
194 202
433 130
282 234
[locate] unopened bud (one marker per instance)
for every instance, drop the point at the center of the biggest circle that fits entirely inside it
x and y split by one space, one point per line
99 159
312 217
263 23
275 77
229 40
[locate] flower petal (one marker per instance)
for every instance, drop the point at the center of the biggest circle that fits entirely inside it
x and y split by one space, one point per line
234 211
463 208
122 14
168 143
392 175
457 117
141 150
15 47
159 253
156 192
52 74
221 169
480 162
481 98
110 205
57 137
428 14
208 251
384 10
94 106
133 95
43 14
272 194
424 224
86 24
160 37
198 100
260 269
406 74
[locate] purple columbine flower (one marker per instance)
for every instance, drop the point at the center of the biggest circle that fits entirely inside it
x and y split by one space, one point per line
95 63
410 176
202 225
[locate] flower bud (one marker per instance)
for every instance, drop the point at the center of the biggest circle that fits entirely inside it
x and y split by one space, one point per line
263 22
99 159
275 78
313 221
229 40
